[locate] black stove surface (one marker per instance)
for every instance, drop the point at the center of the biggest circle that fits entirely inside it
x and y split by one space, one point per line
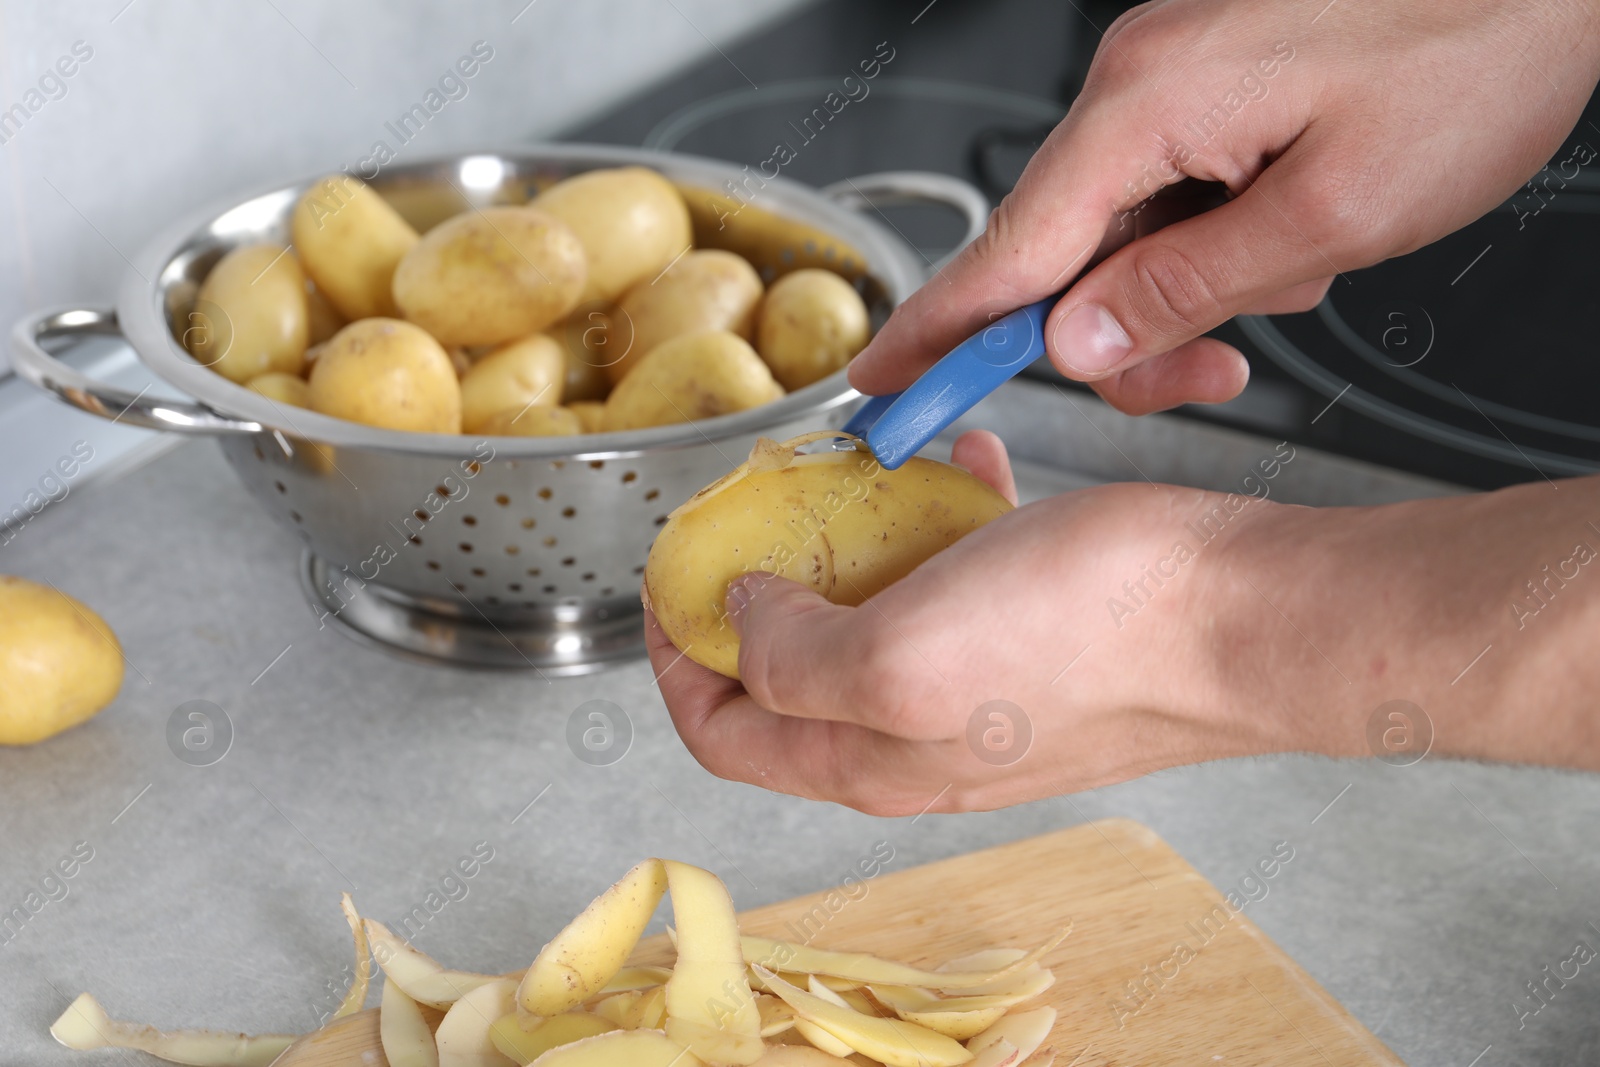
1472 360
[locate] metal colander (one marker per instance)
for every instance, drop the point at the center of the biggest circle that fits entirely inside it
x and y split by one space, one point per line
482 551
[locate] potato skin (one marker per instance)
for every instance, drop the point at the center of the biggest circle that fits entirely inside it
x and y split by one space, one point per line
514 376
696 376
284 388
59 662
837 522
250 315
350 241
537 421
631 220
812 323
491 275
703 290
387 373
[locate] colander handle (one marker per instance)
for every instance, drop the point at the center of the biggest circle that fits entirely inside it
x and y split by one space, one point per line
889 187
32 362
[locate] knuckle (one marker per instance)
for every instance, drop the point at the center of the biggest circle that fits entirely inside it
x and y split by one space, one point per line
1343 214
1171 296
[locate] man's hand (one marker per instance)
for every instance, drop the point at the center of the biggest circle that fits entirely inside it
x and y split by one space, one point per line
1345 132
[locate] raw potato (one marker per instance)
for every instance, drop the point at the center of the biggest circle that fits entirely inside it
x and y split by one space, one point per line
591 415
835 521
59 662
510 379
813 322
698 376
322 318
250 314
593 339
490 275
706 290
537 421
388 373
350 241
631 220
284 388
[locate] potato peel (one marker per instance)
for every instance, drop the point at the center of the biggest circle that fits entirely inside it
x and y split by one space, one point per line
890 1041
424 979
403 1031
85 1025
356 995
867 969
463 1037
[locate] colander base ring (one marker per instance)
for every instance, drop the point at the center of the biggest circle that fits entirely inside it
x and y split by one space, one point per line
565 640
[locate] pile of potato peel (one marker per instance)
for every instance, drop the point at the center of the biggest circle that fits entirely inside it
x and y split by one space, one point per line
727 1001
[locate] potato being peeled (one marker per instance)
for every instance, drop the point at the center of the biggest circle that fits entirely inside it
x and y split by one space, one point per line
59 662
835 521
696 376
387 373
350 241
631 220
250 315
813 322
706 290
491 275
511 378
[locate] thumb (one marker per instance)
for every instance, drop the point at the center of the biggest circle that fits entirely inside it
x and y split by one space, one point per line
1169 287
799 654
1044 231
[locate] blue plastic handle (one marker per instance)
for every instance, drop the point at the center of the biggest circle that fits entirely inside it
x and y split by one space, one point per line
896 426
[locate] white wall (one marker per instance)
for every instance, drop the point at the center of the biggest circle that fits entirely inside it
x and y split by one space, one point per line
184 101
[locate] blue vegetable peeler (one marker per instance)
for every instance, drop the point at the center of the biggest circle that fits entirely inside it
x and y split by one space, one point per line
895 426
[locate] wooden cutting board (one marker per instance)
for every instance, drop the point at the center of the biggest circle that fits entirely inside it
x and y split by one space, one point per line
1125 992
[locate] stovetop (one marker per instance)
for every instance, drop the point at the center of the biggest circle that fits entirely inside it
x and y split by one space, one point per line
1467 360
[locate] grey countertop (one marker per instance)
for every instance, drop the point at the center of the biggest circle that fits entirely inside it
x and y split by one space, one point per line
1422 897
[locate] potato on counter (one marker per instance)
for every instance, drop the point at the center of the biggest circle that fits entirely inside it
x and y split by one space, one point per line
59 662
284 388
697 376
835 521
388 373
813 322
250 314
705 290
491 275
350 240
513 377
632 223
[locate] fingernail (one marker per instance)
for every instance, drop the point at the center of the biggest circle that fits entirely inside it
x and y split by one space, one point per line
1090 341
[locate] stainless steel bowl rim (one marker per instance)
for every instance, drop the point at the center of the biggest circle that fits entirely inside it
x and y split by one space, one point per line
141 314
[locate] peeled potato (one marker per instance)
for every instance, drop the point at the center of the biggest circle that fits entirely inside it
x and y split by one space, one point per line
250 314
491 275
697 376
593 338
59 662
284 388
511 378
631 220
705 290
812 323
350 241
388 373
835 521
591 415
537 421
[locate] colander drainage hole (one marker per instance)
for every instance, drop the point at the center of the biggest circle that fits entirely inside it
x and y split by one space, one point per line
549 589
607 591
281 487
478 572
639 569
549 542
545 493
512 550
503 500
422 516
442 490
295 515
469 520
630 476
567 513
527 524
569 561
589 577
514 587
433 564
465 546
660 520
534 572
596 464
652 494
